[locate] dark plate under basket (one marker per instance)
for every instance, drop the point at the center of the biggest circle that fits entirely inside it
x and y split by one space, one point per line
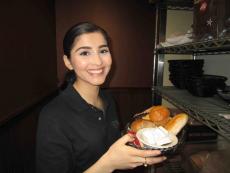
164 151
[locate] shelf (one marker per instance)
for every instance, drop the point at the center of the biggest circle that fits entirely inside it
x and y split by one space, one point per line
203 109
218 46
174 4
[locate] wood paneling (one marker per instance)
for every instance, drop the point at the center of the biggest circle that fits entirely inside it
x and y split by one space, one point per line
17 144
130 101
28 54
18 140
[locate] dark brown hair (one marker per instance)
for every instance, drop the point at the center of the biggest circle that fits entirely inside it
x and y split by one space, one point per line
79 29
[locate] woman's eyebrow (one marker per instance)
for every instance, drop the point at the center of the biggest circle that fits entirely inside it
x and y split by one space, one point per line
104 45
88 47
83 47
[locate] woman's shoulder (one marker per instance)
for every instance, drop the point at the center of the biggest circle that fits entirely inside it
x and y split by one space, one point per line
53 108
57 105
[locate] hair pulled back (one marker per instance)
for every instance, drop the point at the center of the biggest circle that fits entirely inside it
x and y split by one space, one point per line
79 29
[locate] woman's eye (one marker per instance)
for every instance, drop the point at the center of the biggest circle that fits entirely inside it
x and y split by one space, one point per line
84 53
104 51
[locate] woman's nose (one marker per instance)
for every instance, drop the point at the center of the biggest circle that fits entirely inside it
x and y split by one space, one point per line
97 59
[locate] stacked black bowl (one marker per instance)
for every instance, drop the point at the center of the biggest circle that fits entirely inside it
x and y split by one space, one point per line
206 85
182 70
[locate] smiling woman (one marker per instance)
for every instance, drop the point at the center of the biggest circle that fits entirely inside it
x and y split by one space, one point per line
90 58
79 130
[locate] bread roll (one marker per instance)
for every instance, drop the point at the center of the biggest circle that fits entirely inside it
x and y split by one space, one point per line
159 115
140 124
147 113
176 123
148 110
146 117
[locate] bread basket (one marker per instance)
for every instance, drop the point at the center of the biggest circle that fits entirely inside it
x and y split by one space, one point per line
169 150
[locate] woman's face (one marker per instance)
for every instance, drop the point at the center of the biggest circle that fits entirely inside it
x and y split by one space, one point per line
90 58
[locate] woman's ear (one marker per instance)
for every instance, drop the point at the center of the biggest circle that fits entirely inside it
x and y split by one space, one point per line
67 62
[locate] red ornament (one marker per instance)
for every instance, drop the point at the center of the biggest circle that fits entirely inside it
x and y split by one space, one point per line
203 6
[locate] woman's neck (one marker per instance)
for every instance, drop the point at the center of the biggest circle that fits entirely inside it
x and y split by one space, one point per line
88 92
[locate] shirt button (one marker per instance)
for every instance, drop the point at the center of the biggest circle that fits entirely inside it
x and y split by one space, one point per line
99 118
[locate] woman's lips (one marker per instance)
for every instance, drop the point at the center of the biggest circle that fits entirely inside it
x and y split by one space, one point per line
96 71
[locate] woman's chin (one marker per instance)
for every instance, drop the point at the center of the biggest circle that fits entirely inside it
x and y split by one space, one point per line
97 81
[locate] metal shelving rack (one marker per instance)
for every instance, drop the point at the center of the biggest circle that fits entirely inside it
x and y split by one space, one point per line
161 7
208 110
205 110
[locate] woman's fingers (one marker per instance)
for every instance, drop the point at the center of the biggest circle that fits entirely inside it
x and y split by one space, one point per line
145 153
131 157
154 160
146 157
126 138
148 160
138 152
151 153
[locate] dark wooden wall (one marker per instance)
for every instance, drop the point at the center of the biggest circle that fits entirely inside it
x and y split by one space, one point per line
130 101
17 143
18 139
28 73
28 54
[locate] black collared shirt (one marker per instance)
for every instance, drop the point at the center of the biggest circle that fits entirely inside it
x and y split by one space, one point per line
72 135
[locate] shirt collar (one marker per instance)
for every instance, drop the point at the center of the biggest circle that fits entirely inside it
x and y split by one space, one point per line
74 99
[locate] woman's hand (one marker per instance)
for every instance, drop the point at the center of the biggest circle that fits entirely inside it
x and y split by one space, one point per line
122 156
